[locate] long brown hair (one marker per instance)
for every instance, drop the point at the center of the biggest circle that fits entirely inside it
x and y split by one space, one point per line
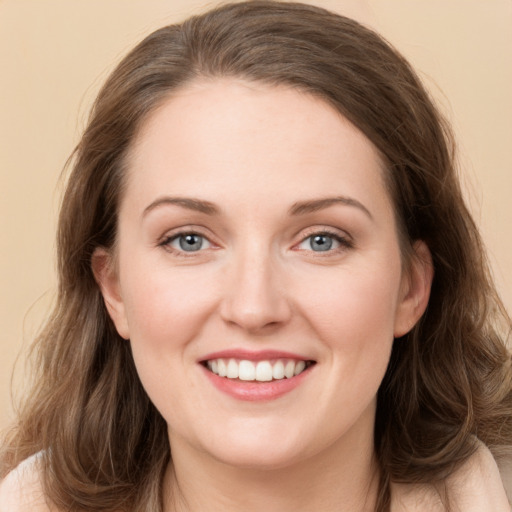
103 444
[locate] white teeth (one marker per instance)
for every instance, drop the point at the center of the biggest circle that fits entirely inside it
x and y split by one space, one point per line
299 367
247 370
278 370
232 370
223 371
262 371
289 369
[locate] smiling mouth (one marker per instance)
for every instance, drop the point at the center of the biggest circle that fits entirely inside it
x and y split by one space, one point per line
257 371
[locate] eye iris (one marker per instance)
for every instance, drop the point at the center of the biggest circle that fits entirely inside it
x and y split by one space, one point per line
321 242
190 242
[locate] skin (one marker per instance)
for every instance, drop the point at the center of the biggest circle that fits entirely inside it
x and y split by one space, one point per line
475 487
253 153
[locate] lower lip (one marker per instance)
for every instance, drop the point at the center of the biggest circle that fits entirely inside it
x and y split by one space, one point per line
253 391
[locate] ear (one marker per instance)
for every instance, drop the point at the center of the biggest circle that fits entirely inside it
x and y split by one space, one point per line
106 276
414 289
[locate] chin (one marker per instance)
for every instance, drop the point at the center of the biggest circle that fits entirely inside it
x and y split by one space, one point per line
259 459
262 450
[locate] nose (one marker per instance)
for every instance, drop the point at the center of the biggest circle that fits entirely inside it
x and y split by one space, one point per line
254 297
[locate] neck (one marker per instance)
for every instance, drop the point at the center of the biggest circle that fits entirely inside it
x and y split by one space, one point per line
342 478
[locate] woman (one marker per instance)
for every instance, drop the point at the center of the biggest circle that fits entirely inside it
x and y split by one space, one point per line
271 292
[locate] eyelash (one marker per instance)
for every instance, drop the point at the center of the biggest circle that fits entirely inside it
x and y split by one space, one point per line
343 241
167 241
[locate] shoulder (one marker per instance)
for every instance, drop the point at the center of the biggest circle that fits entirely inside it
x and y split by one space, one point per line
21 489
478 484
474 487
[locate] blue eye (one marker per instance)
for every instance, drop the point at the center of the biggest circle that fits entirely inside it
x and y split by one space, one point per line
189 242
323 242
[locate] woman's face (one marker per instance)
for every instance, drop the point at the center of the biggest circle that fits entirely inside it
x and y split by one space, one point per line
257 239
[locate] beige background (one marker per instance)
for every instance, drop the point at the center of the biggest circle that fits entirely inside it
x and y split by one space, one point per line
54 54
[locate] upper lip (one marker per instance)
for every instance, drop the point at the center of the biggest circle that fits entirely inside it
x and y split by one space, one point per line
253 355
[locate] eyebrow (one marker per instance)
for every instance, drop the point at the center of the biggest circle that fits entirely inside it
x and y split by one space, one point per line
315 205
197 205
299 208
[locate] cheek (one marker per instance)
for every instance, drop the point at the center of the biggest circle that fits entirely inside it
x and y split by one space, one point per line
164 306
353 316
354 308
166 312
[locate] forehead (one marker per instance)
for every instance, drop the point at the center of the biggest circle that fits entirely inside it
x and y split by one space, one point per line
225 134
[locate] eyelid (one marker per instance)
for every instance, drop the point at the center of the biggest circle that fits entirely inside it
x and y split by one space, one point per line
342 237
171 235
